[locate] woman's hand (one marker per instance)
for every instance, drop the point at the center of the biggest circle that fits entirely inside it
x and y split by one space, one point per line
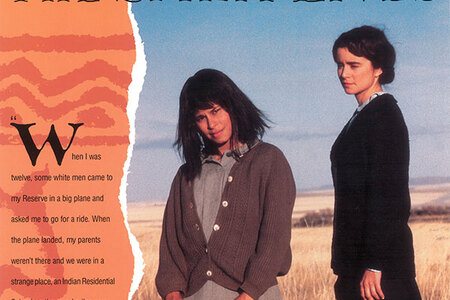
371 285
174 296
244 296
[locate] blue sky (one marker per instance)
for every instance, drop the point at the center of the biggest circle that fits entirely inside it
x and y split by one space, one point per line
279 54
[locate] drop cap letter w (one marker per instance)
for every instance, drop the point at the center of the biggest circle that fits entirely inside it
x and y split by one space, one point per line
52 139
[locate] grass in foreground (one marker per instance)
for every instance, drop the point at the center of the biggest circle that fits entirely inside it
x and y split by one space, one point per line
310 276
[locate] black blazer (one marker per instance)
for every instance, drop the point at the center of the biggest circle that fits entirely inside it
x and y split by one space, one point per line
370 174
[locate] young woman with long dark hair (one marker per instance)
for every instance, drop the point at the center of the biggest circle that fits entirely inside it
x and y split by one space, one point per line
227 223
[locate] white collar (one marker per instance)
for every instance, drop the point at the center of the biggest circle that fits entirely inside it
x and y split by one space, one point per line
374 95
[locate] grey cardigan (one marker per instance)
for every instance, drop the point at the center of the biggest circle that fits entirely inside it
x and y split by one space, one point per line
251 244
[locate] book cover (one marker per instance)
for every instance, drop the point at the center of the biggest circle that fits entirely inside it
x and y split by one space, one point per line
89 102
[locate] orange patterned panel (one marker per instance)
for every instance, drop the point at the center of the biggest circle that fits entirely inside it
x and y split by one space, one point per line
64 62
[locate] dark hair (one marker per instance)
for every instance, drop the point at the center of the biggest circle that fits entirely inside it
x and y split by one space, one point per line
201 91
371 43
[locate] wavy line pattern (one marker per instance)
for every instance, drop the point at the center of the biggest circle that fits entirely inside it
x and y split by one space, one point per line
67 43
10 139
90 97
56 79
74 93
90 71
93 117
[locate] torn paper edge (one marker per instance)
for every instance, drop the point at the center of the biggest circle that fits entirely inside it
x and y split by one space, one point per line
134 90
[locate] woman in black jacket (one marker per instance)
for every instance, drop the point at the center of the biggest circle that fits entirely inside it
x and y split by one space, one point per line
372 250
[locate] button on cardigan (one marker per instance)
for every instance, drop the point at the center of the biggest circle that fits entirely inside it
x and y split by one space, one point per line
252 246
208 188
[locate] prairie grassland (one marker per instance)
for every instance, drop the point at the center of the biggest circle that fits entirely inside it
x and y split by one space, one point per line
310 276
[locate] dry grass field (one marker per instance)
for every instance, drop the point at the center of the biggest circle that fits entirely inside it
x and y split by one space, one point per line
310 276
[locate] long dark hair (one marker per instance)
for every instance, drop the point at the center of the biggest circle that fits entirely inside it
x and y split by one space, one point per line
371 43
201 91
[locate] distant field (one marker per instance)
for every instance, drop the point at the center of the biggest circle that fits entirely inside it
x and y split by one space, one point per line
310 276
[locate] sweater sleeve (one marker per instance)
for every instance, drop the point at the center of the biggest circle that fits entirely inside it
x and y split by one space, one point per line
273 254
172 266
388 202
